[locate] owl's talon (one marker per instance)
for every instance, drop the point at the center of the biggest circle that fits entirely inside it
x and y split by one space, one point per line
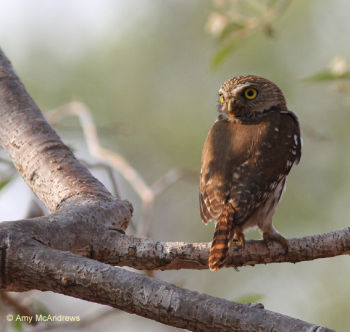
275 237
238 240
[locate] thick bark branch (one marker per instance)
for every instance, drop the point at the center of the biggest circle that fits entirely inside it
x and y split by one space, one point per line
34 252
48 269
28 264
93 240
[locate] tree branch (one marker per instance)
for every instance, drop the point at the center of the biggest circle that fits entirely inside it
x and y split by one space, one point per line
106 245
149 254
48 269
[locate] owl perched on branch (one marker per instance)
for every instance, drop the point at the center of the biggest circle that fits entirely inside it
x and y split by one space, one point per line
246 158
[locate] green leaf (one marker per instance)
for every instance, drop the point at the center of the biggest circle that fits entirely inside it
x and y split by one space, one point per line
230 29
3 183
250 298
17 325
326 75
223 53
40 309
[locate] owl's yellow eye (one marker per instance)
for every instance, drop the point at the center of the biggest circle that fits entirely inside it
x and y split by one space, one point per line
250 93
222 100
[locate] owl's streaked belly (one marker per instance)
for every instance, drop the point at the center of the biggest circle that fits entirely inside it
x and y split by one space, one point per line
262 217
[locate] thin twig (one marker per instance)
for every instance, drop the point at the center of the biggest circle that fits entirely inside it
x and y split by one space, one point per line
169 178
113 159
146 193
110 174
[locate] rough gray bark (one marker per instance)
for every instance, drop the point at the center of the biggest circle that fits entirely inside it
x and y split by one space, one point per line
149 254
139 294
87 220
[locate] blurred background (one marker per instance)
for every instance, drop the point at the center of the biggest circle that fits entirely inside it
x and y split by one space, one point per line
149 71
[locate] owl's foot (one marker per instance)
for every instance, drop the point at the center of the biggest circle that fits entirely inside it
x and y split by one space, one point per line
238 239
275 237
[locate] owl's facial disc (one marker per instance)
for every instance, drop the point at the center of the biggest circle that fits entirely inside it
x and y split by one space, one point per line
247 97
239 99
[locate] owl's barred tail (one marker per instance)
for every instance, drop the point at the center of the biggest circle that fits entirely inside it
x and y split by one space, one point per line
222 236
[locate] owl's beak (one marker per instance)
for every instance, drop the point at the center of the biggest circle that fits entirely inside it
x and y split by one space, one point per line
229 107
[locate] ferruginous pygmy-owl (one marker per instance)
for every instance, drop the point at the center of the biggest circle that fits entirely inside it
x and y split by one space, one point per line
246 158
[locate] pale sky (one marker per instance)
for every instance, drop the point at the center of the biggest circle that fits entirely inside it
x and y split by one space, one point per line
69 24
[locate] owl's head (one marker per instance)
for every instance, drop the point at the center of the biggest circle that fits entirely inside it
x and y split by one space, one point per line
249 96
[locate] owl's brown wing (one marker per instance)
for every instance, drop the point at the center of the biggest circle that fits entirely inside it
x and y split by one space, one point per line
218 161
294 129
272 156
243 163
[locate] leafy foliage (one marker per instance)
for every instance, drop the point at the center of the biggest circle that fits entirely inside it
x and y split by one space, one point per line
337 69
234 21
17 325
5 182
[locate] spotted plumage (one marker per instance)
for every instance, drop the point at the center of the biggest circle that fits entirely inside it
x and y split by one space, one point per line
246 157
